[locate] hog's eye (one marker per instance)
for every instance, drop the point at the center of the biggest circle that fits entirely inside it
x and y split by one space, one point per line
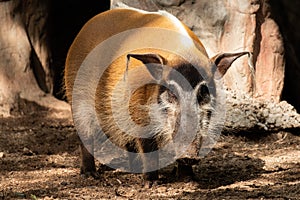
203 95
171 96
172 93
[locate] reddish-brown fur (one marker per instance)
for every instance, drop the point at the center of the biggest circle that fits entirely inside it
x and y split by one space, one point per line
104 26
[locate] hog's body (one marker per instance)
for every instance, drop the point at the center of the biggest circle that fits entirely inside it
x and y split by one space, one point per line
154 106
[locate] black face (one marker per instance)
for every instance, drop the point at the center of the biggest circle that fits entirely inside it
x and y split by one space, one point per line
189 72
190 80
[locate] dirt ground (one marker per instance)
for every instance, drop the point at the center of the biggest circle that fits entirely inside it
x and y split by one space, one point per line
39 159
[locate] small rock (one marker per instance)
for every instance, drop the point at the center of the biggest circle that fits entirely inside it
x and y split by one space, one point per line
262 126
270 120
2 155
265 112
27 152
168 3
279 122
64 183
162 189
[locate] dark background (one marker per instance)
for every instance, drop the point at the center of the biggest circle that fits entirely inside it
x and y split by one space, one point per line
287 15
66 19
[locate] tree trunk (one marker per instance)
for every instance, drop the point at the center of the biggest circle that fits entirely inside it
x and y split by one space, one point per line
25 75
35 36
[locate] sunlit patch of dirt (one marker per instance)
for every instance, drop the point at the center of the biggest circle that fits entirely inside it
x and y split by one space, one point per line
39 159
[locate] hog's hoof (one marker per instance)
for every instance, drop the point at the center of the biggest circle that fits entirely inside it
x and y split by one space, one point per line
151 183
151 179
89 173
184 171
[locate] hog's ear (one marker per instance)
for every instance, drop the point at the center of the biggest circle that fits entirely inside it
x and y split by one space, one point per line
156 71
223 61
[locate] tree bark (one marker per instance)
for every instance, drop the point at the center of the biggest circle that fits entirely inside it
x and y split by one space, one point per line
35 36
25 75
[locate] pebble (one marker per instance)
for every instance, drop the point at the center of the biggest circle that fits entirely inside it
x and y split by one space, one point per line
64 183
2 155
162 189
